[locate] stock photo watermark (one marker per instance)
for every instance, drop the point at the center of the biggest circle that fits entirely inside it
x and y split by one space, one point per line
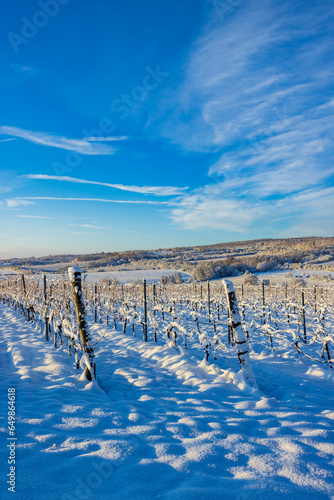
224 8
139 93
85 488
31 27
122 106
279 120
11 440
259 142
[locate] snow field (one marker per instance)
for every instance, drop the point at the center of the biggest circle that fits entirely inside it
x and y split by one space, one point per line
162 421
159 423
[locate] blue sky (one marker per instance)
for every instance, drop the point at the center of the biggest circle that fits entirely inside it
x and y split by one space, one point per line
128 125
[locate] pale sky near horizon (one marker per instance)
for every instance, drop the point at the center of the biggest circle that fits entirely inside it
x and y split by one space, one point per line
136 125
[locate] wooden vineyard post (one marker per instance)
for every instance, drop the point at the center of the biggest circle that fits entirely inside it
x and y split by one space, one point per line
263 304
154 296
75 278
303 316
229 327
315 299
145 314
51 318
46 319
95 303
24 297
23 283
154 311
240 339
17 287
209 300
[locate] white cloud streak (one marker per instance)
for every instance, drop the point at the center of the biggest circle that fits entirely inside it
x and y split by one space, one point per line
206 212
25 200
156 190
18 202
33 217
107 139
43 139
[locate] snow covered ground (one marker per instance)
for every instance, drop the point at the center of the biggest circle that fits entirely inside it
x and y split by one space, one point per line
159 425
285 276
6 272
150 275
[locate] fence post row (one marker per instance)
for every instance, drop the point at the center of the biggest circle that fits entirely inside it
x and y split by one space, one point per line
20 289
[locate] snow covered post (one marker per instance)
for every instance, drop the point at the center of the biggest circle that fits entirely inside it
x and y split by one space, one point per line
303 316
154 293
23 283
209 302
315 299
24 304
23 295
75 279
240 340
263 305
229 326
95 303
46 319
145 313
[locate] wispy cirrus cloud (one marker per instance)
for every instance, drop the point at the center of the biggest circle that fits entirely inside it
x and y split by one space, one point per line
107 139
241 72
12 74
18 202
81 146
257 89
308 212
156 190
26 200
314 208
284 180
203 211
33 217
9 139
